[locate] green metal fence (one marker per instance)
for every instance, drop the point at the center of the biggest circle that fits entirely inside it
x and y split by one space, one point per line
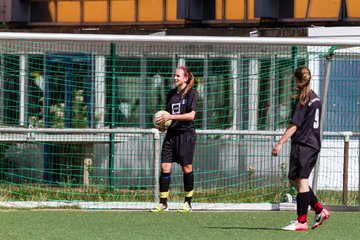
76 116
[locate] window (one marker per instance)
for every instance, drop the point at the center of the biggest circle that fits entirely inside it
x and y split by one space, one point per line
68 90
42 11
220 93
343 103
138 91
36 90
123 91
11 96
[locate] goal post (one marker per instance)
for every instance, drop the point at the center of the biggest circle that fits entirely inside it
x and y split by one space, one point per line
76 118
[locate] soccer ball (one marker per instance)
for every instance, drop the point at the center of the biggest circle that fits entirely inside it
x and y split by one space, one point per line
161 126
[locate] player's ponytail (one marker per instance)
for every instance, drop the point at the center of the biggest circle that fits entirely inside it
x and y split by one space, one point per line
302 77
190 81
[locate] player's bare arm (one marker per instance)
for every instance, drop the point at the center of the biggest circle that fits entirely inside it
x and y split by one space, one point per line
181 117
287 134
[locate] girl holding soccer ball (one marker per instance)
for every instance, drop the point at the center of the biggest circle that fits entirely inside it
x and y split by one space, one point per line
179 142
304 130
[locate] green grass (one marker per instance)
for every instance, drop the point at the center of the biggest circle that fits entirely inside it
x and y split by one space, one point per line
77 224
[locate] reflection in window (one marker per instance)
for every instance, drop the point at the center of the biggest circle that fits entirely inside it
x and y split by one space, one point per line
36 89
343 103
140 86
140 90
158 81
64 90
196 66
264 94
220 94
282 70
124 91
10 89
285 88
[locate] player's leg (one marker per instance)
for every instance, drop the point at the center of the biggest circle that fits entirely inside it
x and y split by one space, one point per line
321 214
167 155
186 152
165 179
164 182
302 203
302 200
188 188
298 177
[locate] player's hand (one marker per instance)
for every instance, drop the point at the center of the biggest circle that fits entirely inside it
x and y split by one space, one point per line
276 149
166 117
160 119
163 118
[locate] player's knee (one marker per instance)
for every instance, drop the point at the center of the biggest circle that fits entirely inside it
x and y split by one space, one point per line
187 168
165 167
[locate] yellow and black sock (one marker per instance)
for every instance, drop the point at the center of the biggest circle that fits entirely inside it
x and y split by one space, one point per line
164 187
188 186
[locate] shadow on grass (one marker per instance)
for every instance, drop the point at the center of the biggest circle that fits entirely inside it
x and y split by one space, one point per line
246 228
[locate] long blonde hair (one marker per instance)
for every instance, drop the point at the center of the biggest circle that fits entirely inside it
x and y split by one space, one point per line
190 81
302 77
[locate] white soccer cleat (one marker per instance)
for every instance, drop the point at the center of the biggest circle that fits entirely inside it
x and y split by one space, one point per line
185 207
160 208
320 218
296 226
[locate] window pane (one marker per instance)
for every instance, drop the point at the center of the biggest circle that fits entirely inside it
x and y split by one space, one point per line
159 82
220 94
42 12
69 95
125 92
264 96
11 89
196 66
342 109
36 88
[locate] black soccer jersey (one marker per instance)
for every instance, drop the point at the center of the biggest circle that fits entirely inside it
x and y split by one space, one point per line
177 105
307 119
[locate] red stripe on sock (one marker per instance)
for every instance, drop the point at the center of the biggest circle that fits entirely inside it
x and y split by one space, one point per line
302 218
318 207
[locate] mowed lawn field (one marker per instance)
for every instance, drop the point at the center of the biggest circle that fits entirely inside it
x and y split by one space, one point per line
79 224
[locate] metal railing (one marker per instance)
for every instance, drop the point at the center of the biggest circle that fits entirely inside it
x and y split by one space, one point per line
52 135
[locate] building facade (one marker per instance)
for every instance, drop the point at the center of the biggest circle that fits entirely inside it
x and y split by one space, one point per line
116 15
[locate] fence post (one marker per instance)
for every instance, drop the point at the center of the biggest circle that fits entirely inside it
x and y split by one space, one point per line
86 173
345 170
156 146
112 112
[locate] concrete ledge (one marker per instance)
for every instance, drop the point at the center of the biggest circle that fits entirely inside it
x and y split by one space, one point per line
144 206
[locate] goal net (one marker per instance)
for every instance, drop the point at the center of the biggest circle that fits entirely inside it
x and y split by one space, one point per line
76 118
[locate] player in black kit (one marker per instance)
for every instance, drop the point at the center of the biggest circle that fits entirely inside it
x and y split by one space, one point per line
304 130
179 142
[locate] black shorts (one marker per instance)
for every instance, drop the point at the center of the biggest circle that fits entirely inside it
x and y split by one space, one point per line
178 147
302 161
